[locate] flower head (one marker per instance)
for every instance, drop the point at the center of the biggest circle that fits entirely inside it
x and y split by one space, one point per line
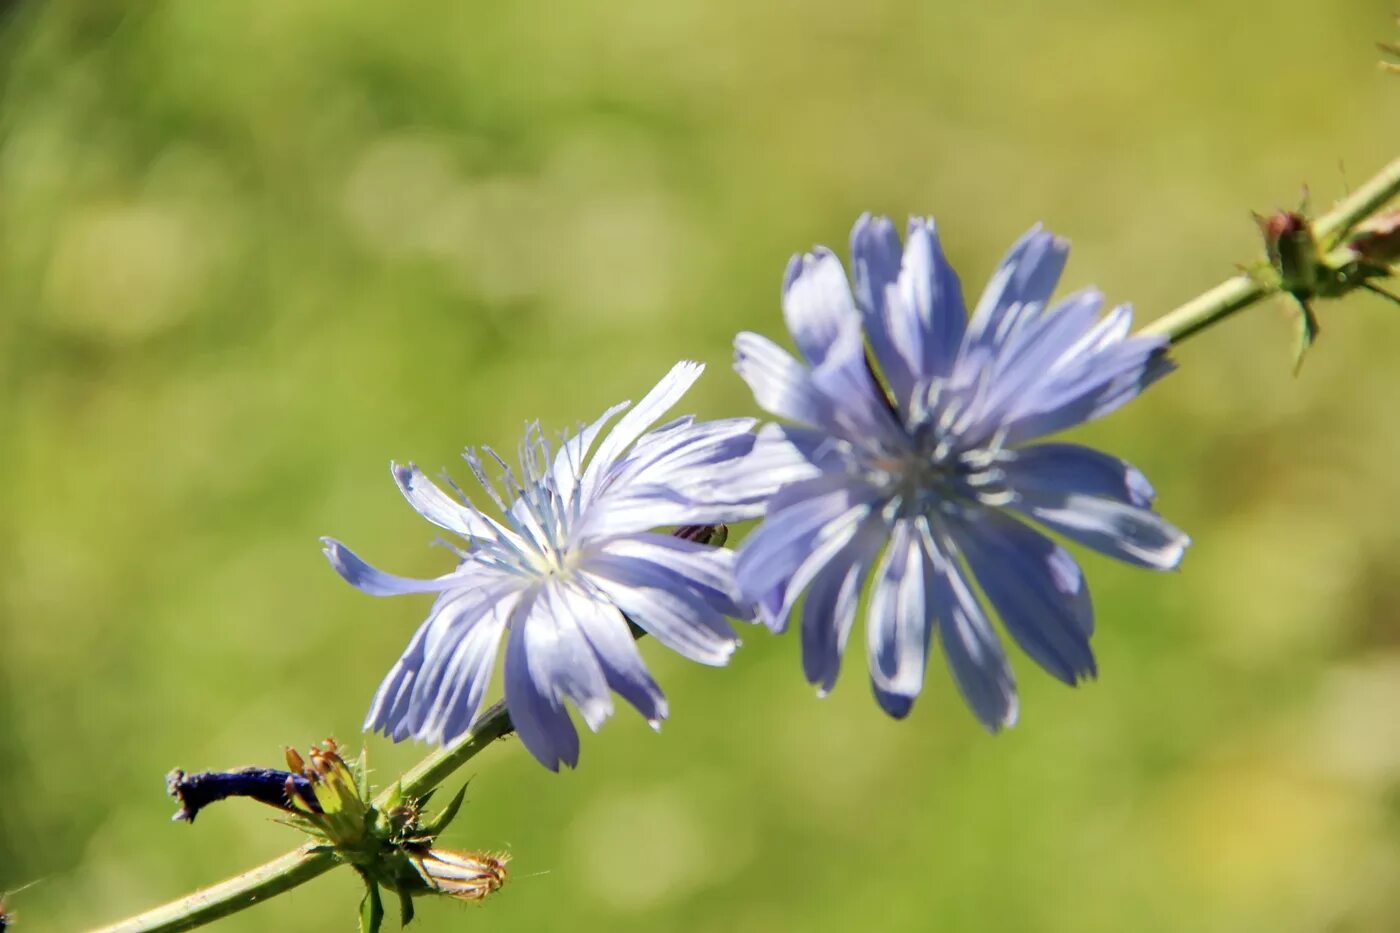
921 485
573 550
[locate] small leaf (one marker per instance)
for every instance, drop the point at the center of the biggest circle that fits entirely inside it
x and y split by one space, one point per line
371 909
448 814
394 799
405 908
1308 330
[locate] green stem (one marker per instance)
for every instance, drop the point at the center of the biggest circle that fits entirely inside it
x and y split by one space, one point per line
235 894
298 867
1240 292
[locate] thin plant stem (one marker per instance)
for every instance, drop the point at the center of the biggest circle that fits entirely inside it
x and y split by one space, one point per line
1241 291
298 867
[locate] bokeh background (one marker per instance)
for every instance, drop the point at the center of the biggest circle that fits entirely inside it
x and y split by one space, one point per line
253 250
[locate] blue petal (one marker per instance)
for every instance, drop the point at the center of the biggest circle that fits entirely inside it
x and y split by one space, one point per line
439 508
1064 468
673 563
562 655
616 651
568 463
376 582
1026 277
875 261
1088 384
1036 588
535 710
830 606
643 415
1028 358
1134 535
932 299
797 516
780 384
435 690
972 649
898 625
817 304
677 617
833 539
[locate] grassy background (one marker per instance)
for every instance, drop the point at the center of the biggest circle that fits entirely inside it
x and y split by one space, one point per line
253 250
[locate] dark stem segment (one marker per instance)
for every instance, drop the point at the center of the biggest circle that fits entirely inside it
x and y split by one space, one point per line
265 785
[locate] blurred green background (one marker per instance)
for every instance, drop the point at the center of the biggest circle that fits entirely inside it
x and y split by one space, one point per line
253 250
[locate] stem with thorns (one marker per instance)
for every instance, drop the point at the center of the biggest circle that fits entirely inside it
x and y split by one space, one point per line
1237 293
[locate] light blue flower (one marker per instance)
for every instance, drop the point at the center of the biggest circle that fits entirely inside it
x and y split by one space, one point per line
920 487
574 551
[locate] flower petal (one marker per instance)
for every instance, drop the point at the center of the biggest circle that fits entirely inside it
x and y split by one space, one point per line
875 260
559 650
378 583
569 461
830 606
674 563
932 302
434 691
899 622
1126 532
1037 589
680 619
797 518
438 507
817 303
1057 468
1027 276
781 385
535 709
643 415
833 539
616 650
972 649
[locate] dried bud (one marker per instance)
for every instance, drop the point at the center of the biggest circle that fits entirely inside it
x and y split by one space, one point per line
467 876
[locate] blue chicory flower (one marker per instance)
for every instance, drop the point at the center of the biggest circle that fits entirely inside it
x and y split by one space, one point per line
920 485
574 552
